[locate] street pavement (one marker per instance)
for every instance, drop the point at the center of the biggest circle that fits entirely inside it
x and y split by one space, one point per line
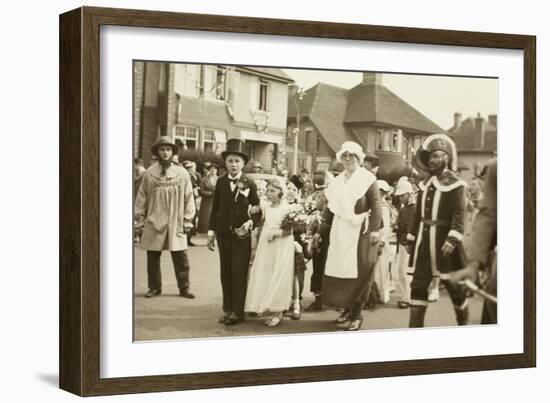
169 316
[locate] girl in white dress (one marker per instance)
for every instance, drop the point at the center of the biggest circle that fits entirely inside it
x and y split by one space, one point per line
271 276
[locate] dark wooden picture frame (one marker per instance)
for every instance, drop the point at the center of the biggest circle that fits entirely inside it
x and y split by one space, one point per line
79 346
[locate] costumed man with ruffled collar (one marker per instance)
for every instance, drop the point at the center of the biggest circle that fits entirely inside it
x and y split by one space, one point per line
438 228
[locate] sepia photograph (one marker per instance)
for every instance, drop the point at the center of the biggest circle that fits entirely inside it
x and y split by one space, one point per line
275 200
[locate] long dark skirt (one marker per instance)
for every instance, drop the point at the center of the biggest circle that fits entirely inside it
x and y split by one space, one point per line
344 292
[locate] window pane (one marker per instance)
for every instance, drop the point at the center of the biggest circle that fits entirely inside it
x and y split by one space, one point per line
263 96
210 73
180 131
220 83
209 135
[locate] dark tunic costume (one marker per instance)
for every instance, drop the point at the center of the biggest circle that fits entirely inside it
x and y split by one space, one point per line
439 219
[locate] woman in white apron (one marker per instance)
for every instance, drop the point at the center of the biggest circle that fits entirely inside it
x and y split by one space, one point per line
351 223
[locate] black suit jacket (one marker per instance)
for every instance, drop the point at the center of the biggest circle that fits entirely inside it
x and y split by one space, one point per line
230 209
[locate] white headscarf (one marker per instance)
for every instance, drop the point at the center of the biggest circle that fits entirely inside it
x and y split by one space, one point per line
351 148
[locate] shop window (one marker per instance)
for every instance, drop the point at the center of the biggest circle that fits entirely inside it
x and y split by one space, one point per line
186 136
209 140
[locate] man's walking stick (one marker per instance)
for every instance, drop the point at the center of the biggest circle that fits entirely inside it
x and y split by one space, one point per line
474 288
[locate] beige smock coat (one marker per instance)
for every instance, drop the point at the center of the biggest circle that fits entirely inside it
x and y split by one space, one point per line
163 204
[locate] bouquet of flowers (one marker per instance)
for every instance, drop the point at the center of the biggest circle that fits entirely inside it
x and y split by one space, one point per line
314 215
313 206
295 218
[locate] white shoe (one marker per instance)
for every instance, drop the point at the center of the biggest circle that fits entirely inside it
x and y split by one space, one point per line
433 295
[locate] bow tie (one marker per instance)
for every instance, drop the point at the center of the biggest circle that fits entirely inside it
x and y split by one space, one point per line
233 181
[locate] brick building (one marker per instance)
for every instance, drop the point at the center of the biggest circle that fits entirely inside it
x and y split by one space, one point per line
202 106
388 128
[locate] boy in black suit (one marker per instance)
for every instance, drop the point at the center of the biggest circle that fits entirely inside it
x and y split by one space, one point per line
235 209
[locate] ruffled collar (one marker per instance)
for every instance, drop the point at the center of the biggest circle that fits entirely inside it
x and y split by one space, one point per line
445 182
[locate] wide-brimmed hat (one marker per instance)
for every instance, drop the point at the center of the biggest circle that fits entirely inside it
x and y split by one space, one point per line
403 186
436 142
235 147
164 141
351 148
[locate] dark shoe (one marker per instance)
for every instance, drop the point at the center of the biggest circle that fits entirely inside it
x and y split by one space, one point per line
403 304
462 316
355 324
186 294
224 317
152 293
416 318
233 320
343 318
316 305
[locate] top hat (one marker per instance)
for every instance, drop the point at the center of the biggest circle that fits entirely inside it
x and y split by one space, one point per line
235 147
436 142
164 141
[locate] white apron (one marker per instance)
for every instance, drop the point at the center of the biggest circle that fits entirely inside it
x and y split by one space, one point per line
346 225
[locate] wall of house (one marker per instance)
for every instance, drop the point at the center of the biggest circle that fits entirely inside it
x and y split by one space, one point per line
152 116
246 101
367 136
139 70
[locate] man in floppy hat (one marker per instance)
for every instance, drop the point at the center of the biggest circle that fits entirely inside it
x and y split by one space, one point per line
231 220
438 228
164 208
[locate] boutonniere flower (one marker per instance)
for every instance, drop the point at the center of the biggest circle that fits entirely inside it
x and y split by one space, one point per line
242 188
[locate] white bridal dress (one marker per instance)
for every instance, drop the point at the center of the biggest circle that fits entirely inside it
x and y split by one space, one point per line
271 276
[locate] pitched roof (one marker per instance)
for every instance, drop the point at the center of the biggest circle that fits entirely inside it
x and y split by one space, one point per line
376 103
325 106
270 72
465 136
207 114
329 108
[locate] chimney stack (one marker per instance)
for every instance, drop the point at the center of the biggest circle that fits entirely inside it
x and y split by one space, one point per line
480 132
493 120
458 120
370 78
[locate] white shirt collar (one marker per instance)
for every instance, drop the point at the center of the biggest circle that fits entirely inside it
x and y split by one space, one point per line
236 177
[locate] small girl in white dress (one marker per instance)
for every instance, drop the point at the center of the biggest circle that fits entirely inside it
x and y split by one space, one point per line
271 276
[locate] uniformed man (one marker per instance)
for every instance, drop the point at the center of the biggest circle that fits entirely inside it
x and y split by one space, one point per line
438 228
